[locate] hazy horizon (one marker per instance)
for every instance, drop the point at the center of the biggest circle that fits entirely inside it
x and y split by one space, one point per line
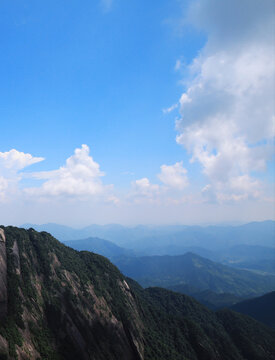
133 225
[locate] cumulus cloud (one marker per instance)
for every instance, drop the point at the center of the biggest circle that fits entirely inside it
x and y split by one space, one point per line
79 177
143 188
11 162
227 110
16 160
174 176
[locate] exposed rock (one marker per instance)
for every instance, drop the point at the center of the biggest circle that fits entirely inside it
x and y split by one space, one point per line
4 347
16 258
3 275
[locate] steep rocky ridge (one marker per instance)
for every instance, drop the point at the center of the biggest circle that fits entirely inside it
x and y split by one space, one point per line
3 275
64 304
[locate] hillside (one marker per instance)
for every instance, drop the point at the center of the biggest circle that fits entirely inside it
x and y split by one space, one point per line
62 304
261 308
194 270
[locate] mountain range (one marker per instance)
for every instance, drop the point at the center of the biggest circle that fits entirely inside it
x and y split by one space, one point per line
196 271
207 296
169 240
58 303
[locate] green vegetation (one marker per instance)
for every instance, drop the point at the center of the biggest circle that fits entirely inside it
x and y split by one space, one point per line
261 308
196 271
65 304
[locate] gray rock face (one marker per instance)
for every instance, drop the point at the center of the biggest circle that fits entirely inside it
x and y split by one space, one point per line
3 275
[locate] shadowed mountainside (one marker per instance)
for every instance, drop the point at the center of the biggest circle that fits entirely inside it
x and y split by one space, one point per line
261 308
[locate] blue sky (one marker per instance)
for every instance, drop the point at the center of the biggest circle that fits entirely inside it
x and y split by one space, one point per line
75 74
102 74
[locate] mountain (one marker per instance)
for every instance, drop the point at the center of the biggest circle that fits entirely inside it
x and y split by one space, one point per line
209 298
100 246
244 253
118 234
261 308
169 240
62 304
252 257
264 266
210 237
196 271
61 232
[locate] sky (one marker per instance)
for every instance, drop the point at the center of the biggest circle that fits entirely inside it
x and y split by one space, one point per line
137 112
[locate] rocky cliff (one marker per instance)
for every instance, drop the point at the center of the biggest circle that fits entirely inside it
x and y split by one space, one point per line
3 275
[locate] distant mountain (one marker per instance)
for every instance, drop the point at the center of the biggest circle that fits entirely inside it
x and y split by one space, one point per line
169 240
253 257
121 235
61 232
242 252
261 308
100 246
60 304
211 238
194 270
263 266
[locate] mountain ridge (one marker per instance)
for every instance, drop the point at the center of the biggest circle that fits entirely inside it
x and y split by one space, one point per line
65 304
192 269
213 236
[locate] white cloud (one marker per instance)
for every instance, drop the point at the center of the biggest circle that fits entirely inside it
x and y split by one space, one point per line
143 188
174 176
79 177
11 162
16 160
227 111
235 189
174 180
